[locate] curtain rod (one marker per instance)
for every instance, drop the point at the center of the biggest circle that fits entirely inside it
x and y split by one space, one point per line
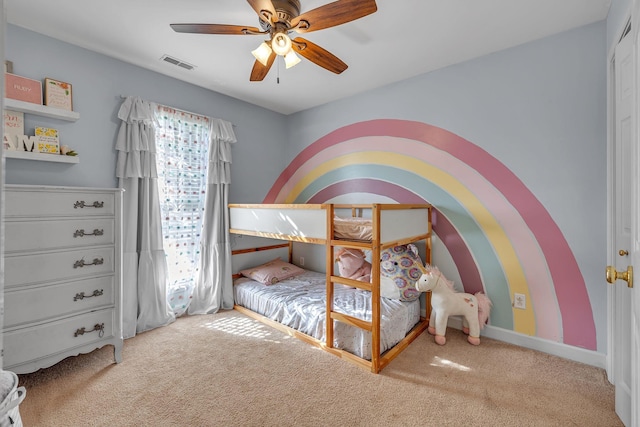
181 110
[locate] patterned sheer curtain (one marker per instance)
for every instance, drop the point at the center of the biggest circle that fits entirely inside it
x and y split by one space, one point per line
182 154
214 286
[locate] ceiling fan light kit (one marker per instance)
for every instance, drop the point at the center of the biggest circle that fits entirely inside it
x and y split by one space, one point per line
281 44
278 19
262 53
291 59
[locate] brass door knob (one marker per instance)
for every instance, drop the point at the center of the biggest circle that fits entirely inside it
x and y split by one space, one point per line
622 252
613 275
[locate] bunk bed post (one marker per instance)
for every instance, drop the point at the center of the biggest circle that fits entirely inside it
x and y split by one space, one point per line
375 289
428 260
291 251
429 234
330 272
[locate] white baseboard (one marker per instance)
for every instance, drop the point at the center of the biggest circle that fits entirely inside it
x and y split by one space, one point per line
565 351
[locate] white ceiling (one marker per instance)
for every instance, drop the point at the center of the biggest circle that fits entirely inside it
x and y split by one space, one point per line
402 39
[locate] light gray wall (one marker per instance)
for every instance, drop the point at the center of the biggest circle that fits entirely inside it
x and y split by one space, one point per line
98 82
539 108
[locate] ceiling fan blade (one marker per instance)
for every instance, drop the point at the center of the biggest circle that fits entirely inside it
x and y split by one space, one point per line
264 9
215 29
333 14
259 71
318 55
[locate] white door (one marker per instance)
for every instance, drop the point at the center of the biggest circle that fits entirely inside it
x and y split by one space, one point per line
626 243
2 30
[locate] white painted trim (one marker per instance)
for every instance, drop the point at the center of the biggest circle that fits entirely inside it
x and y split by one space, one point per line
565 351
611 296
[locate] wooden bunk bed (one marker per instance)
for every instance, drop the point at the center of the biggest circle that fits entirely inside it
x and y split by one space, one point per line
389 225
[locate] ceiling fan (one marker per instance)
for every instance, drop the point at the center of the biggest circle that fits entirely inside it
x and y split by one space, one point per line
279 18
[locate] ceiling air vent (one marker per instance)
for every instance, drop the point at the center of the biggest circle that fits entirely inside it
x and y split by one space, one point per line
174 61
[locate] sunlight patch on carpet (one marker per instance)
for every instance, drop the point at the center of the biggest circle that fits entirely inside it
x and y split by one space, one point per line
444 363
243 327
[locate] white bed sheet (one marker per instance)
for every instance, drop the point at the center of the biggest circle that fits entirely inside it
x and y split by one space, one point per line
299 303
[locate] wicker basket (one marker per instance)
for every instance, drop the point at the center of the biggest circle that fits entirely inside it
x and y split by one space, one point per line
10 398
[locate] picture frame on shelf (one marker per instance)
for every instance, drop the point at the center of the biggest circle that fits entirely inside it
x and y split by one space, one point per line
8 67
22 89
58 94
47 140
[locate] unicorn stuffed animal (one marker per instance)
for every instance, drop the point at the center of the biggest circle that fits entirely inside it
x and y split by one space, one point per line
445 302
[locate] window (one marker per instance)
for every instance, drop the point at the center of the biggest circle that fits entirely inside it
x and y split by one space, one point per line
182 143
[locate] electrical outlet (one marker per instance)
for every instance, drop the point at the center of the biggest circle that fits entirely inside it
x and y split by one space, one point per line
520 301
301 261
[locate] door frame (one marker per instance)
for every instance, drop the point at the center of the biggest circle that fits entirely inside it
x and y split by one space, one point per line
611 231
632 18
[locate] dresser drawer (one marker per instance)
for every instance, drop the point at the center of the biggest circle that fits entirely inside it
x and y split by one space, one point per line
56 266
27 344
34 203
35 304
43 235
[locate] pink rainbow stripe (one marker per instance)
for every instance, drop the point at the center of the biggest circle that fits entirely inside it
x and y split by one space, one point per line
577 320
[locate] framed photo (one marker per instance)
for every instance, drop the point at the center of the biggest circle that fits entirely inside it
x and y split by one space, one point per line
8 67
57 94
22 88
47 140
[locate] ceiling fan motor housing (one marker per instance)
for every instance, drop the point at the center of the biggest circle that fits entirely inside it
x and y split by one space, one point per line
286 10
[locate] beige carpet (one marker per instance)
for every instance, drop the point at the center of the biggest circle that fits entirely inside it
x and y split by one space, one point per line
229 370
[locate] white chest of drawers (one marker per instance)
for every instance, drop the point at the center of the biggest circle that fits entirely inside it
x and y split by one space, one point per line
62 259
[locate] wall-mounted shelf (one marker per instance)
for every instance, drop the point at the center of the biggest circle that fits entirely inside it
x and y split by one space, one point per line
42 157
40 110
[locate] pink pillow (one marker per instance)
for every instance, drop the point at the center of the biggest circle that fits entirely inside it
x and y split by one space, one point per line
272 272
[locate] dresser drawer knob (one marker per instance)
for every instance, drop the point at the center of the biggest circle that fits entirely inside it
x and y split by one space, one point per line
82 233
81 204
81 295
97 327
81 263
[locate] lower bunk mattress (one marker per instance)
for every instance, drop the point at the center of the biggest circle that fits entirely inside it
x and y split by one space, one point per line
299 303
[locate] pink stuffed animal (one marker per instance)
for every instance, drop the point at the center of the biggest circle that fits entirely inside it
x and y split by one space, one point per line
353 265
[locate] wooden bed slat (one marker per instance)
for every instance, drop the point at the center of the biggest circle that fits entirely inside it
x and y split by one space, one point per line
262 248
351 282
353 321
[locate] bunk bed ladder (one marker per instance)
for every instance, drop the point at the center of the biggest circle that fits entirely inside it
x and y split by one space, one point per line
330 274
373 326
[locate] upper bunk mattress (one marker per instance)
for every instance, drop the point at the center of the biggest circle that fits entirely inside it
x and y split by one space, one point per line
299 303
355 228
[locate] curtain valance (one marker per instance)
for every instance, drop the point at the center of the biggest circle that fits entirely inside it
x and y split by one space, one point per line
222 136
136 140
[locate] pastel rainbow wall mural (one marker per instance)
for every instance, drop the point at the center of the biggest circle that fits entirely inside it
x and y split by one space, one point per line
500 237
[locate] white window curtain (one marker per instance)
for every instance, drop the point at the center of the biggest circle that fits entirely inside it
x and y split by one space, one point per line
145 303
214 287
182 144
